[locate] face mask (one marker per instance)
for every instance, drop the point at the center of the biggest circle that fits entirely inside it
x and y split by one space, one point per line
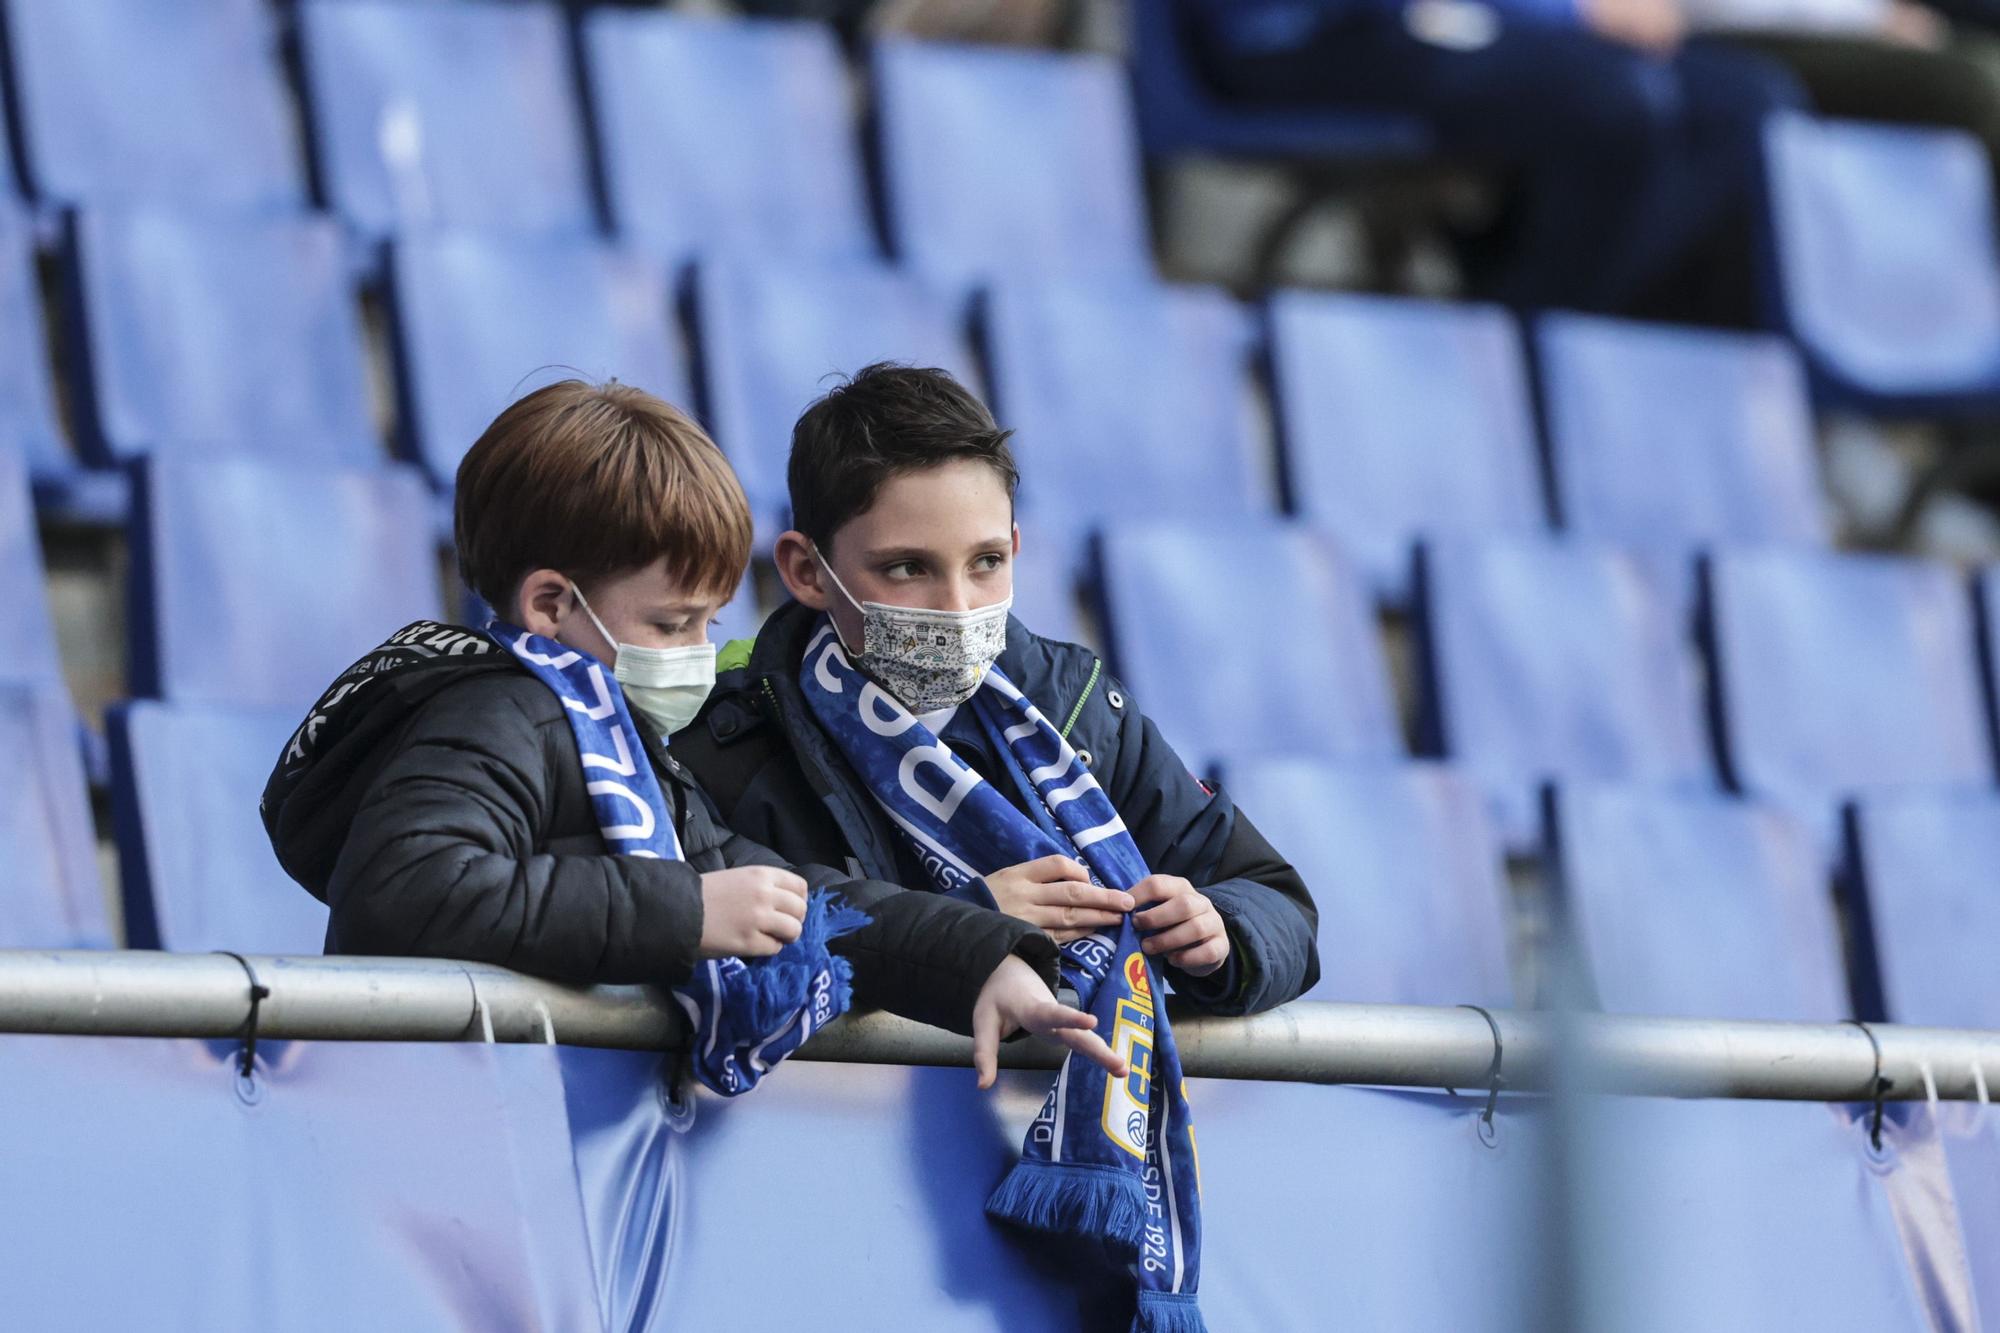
666 686
930 660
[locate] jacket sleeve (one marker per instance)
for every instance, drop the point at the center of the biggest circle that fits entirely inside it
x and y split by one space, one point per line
1183 828
441 861
922 956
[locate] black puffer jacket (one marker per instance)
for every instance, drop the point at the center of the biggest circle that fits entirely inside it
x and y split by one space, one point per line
433 799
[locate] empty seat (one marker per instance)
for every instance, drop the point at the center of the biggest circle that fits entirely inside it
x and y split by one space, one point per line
731 137
1405 869
462 114
775 337
1896 307
27 397
253 585
1127 402
1403 418
25 623
998 161
50 897
1697 905
195 866
1553 659
157 101
481 321
1844 674
198 335
1248 640
1666 437
1927 864
1045 589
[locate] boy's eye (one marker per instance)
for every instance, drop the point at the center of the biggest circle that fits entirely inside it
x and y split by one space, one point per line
904 569
992 560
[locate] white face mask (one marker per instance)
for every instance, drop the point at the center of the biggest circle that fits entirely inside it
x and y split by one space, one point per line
666 686
930 660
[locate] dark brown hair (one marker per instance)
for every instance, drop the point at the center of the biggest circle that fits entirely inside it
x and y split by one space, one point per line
595 480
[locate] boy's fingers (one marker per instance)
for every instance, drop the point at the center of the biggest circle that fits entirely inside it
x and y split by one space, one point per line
782 927
1072 918
1152 889
1055 868
1170 913
986 1043
1209 953
1071 893
1091 1047
794 908
791 882
1055 1015
1180 937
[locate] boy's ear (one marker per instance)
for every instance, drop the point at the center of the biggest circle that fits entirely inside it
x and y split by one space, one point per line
542 602
800 569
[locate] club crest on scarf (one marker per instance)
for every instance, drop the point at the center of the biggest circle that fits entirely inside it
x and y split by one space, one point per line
1108 1163
748 1014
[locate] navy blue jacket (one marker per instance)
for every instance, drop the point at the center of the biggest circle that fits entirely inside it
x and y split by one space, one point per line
778 778
1256 26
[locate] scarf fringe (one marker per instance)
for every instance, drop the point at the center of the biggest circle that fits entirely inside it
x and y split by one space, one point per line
1091 1203
770 990
1168 1312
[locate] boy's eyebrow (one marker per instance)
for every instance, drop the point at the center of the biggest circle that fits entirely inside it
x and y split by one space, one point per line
887 553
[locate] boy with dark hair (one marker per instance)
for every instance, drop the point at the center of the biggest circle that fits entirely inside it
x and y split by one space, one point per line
508 796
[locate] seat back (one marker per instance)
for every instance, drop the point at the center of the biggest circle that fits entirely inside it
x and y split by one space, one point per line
50 897
25 623
1403 418
28 424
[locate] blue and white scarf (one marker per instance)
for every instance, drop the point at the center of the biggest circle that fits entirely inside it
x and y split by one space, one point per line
747 1014
1108 1162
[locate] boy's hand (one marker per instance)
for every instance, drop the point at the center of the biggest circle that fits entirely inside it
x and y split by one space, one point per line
1055 893
1184 926
750 912
1015 998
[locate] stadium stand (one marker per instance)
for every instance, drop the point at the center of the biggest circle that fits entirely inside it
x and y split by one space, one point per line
253 585
197 335
28 425
51 897
1420 912
1921 867
1045 589
775 336
1840 675
1009 162
25 622
1666 438
1180 605
1552 659
194 864
727 138
1697 905
446 115
1402 418
154 102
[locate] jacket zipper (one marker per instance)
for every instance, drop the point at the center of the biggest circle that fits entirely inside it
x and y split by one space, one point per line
1089 686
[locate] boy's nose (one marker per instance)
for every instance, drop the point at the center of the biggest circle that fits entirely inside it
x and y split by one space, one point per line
957 596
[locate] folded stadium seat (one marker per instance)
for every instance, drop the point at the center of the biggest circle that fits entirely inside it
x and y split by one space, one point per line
481 320
1664 438
1045 589
196 869
199 335
1007 161
1249 640
1553 659
1127 401
253 585
26 625
28 421
727 137
461 114
154 101
1922 867
1401 418
1697 905
50 897
775 336
1843 675
1405 869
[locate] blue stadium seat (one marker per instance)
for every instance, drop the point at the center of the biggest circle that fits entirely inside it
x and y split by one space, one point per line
1045 589
1405 869
1127 402
1897 306
199 336
50 897
998 161
253 585
480 321
1838 675
28 424
1664 438
154 101
460 114
25 623
733 137
1253 640
774 336
1553 659
1402 418
1697 905
195 867
1925 865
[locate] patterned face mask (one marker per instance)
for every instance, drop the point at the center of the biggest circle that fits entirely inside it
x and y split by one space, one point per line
930 660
